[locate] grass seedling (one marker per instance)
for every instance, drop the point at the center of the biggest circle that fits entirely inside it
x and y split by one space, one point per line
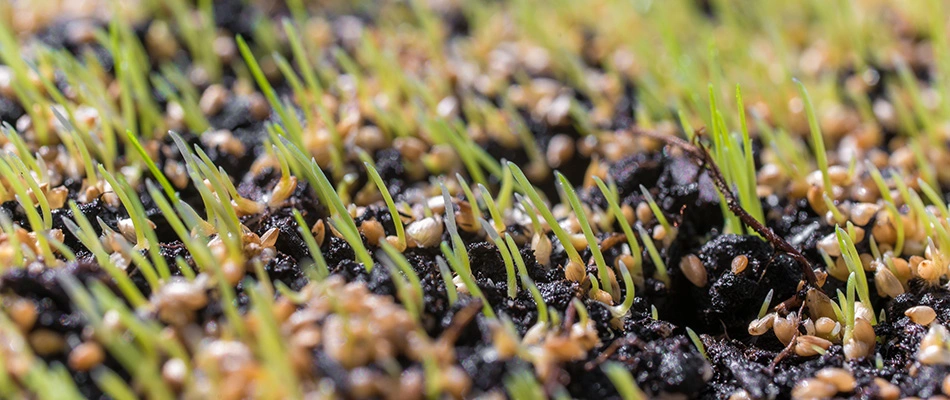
697 342
817 140
530 212
156 173
661 270
583 317
16 259
512 280
467 279
450 290
82 229
522 385
353 238
623 381
853 262
388 198
737 164
319 270
469 196
310 101
25 91
764 309
845 309
198 32
592 241
562 236
312 172
14 170
934 197
199 253
270 342
76 146
400 263
498 223
619 311
889 204
459 246
289 121
721 142
139 362
216 199
657 212
132 205
527 282
611 195
193 117
836 214
112 384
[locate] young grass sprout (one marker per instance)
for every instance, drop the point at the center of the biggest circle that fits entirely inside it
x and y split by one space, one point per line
661 270
388 198
575 269
853 262
512 282
592 241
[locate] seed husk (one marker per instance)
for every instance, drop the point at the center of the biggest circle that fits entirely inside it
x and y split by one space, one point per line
601 296
373 231
24 314
46 342
886 390
762 325
819 304
839 377
694 270
542 247
426 232
921 315
785 328
813 389
575 271
887 284
86 356
862 213
739 264
809 345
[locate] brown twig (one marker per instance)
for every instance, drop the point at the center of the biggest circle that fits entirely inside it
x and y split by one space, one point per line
609 351
791 345
701 156
460 320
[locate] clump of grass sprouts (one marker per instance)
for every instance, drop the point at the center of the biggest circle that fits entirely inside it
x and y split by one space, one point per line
400 242
592 241
575 269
